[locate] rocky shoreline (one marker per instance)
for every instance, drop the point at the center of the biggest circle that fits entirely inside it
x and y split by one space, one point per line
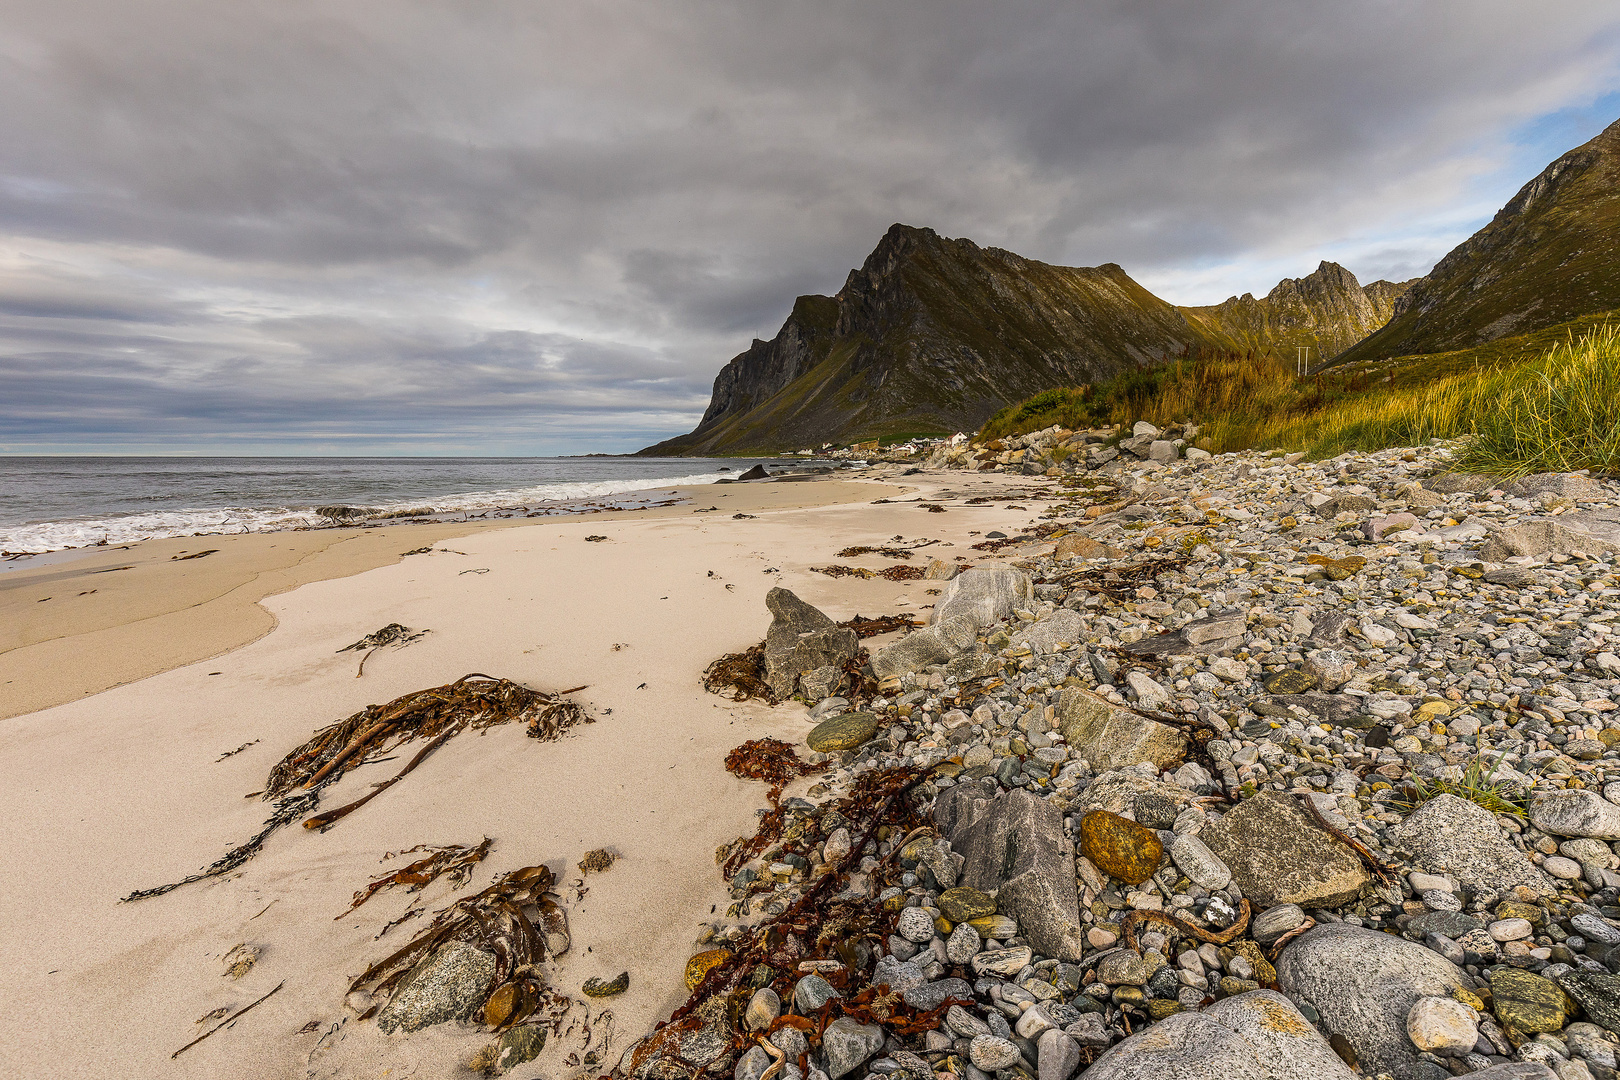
1235 766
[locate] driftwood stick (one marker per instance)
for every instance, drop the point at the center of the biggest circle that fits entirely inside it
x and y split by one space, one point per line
222 1023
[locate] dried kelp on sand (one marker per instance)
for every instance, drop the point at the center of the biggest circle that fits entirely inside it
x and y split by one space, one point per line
473 702
518 920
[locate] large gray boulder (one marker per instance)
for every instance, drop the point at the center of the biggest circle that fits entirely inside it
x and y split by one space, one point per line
1255 1036
1278 854
1113 737
1575 813
934 644
801 639
986 594
450 983
1545 536
1044 635
1014 847
1567 485
1448 835
1363 983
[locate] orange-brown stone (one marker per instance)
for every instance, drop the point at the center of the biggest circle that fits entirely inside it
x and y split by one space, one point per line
1119 847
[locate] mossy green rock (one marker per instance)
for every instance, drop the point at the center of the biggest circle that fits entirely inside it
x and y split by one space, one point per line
842 732
600 988
1119 847
1512 909
519 1044
1289 682
964 904
1528 1002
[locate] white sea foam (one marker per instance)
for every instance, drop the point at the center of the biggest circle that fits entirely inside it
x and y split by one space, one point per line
127 528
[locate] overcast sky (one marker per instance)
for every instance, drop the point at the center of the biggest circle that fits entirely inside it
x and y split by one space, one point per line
487 227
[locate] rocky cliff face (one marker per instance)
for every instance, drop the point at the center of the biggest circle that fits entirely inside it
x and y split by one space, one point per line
933 334
1327 312
1547 257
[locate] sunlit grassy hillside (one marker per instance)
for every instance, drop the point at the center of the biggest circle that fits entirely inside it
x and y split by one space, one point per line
1548 401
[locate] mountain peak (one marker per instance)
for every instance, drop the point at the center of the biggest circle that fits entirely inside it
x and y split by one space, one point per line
1544 259
935 334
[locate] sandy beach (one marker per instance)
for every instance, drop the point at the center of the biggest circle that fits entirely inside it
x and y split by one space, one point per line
111 790
84 621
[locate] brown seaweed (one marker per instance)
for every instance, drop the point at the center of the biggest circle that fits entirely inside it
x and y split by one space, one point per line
772 761
891 573
225 1021
883 624
742 675
886 552
1119 581
392 634
517 919
287 811
815 927
472 702
454 861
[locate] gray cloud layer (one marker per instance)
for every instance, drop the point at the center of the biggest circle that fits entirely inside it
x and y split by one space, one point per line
515 227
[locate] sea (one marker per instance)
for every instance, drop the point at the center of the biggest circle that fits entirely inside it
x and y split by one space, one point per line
55 503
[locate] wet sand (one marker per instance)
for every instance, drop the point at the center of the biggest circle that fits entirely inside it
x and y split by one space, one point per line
110 616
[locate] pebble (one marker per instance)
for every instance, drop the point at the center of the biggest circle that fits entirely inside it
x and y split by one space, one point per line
1119 847
1273 923
1560 867
964 1024
991 1052
1201 865
1003 962
763 1009
1594 928
916 925
1442 1025
1526 1001
963 945
963 904
812 992
841 733
1122 968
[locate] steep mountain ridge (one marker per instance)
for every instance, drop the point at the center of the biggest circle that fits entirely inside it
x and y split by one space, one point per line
1547 257
1327 311
935 334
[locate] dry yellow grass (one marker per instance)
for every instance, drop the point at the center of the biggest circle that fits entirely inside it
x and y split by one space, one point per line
1557 412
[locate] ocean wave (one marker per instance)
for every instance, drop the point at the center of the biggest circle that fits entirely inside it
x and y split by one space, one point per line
129 528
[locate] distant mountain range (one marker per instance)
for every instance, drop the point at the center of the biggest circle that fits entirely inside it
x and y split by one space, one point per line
935 335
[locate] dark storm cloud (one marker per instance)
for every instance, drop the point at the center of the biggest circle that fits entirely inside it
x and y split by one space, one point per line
537 226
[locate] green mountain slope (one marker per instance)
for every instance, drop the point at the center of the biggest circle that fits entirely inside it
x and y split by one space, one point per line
934 334
1549 256
1326 312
